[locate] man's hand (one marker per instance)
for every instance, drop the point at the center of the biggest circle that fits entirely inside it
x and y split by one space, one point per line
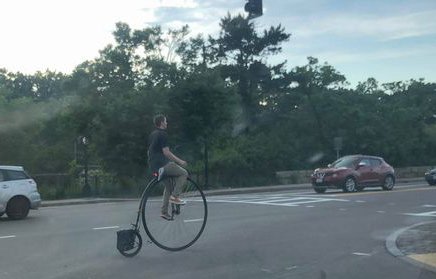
183 163
166 151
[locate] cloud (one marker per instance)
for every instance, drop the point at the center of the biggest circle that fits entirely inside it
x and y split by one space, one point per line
384 28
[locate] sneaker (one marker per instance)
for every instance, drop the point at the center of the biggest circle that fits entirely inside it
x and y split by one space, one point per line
166 216
176 200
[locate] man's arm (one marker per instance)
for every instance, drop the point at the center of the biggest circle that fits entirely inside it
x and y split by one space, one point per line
166 151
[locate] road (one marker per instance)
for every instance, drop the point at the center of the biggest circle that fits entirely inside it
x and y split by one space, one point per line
291 234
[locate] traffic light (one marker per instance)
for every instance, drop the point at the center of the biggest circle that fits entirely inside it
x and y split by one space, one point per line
254 8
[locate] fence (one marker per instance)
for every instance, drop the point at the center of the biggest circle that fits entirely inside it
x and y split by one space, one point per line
64 185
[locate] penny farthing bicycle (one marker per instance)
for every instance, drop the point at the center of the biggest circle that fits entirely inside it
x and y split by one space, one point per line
185 227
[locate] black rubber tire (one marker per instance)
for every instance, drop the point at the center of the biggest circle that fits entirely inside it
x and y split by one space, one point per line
151 216
319 190
18 208
350 185
137 247
388 183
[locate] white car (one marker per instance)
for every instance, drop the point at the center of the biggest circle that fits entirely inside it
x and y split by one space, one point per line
18 192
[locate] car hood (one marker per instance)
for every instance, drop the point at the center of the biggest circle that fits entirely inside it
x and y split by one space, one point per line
329 170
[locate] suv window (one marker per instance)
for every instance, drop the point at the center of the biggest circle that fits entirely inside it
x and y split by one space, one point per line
366 161
15 175
375 162
347 162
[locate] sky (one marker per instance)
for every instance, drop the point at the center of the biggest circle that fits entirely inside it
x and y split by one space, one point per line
390 40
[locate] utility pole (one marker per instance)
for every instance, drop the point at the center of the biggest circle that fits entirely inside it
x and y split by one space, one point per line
86 188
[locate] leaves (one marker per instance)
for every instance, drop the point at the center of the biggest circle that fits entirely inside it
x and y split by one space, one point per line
257 118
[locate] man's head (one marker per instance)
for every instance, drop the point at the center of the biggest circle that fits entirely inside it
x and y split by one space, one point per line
160 121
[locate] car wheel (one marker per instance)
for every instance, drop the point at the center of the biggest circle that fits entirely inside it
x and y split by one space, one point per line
432 183
18 208
319 190
349 185
388 183
1 214
359 188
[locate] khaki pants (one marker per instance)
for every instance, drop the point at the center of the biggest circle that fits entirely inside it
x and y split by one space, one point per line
174 179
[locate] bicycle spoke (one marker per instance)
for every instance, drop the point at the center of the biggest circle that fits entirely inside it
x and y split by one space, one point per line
185 228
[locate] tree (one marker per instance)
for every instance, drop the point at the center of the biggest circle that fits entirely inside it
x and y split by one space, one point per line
241 53
205 107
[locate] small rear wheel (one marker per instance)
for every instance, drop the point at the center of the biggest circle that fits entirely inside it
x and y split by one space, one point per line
133 246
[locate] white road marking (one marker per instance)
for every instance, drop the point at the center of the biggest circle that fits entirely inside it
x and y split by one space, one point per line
7 236
192 220
106 228
428 205
359 201
381 211
279 200
361 254
291 267
422 214
310 206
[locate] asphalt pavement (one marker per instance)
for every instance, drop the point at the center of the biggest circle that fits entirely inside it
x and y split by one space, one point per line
283 231
415 244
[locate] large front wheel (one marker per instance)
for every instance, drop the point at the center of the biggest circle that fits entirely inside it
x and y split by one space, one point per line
187 221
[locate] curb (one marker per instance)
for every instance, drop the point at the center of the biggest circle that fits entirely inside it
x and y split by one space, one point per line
83 201
391 246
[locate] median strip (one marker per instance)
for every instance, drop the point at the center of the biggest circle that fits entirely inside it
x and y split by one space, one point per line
428 259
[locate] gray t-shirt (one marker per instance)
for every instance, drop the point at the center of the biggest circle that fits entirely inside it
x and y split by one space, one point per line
156 159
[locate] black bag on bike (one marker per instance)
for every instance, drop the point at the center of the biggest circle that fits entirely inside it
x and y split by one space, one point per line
125 240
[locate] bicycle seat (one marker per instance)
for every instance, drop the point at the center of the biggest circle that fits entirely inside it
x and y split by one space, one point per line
158 174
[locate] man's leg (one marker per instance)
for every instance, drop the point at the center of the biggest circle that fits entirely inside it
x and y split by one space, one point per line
179 174
169 187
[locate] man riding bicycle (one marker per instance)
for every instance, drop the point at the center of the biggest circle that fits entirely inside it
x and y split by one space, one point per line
162 161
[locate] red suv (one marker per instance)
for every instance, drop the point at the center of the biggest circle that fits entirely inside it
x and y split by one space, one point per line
354 173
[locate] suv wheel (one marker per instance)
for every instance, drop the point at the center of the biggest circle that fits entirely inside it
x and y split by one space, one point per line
349 185
388 183
18 208
319 190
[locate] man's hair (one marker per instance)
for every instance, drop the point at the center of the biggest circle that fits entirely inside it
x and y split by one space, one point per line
158 119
